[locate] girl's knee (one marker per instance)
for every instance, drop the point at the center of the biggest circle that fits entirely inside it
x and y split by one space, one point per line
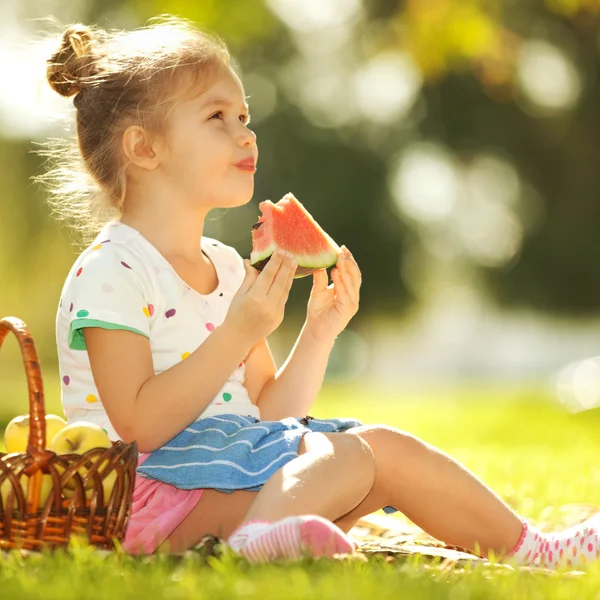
349 450
360 446
357 454
383 438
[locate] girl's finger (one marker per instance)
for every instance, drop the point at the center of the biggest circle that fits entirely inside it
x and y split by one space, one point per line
267 277
352 269
348 281
341 290
293 269
284 281
319 280
281 283
250 275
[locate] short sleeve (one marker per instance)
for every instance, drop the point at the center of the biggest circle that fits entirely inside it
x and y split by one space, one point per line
108 288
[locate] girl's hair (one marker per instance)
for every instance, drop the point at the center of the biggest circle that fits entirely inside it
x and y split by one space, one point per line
119 79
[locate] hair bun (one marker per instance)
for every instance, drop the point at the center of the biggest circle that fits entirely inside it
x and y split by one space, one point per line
73 63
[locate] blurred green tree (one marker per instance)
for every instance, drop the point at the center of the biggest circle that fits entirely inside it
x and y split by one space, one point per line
469 55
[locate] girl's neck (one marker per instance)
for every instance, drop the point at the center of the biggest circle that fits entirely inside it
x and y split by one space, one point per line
175 238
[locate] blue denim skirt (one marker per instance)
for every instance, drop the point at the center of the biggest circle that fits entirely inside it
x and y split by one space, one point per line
233 452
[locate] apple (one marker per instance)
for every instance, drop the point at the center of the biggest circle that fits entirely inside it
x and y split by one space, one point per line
79 437
5 489
16 434
45 490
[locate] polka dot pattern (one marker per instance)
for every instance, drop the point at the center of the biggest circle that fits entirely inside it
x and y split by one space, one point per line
104 297
571 547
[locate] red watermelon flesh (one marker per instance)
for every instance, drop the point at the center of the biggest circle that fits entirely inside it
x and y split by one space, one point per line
287 225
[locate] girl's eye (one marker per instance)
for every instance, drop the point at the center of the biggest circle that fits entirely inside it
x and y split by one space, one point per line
243 118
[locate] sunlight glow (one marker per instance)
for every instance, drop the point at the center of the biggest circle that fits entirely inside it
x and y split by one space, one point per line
578 385
386 88
547 78
308 15
424 183
29 108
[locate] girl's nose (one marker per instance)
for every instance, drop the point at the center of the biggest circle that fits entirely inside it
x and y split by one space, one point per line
248 137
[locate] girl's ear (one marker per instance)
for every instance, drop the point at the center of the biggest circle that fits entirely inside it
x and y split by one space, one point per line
139 149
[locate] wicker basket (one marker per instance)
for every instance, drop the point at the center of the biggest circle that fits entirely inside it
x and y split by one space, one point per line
23 522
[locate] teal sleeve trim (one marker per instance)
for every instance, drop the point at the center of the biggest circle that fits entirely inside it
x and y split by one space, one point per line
76 340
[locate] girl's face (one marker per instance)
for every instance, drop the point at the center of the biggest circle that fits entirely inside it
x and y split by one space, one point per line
205 139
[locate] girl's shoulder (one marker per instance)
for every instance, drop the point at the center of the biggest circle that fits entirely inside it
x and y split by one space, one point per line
115 253
111 285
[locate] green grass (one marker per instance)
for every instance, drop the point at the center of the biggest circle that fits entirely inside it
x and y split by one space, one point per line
536 456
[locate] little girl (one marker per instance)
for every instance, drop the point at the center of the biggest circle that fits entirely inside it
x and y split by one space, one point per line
161 331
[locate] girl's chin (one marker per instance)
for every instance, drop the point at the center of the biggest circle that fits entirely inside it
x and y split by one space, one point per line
240 199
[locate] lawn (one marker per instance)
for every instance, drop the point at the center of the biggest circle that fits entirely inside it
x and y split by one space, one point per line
541 459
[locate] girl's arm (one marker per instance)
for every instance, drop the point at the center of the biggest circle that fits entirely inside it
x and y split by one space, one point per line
150 408
293 390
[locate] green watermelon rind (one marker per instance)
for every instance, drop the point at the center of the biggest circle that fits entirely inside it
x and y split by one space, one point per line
306 264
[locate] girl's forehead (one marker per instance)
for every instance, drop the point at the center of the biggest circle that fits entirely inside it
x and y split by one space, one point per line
226 92
222 99
226 89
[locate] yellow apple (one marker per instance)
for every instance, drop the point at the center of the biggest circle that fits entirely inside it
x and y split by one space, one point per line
16 434
108 483
79 437
44 492
5 489
45 488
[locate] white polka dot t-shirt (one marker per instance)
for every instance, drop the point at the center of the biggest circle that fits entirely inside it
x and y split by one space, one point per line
122 281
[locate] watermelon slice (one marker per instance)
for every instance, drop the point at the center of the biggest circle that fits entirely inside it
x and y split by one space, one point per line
289 226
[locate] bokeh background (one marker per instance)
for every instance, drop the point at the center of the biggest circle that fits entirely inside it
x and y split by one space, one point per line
454 147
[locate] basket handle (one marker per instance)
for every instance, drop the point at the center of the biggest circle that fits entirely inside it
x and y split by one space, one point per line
37 413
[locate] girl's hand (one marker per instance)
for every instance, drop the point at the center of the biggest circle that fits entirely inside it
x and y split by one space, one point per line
258 306
330 308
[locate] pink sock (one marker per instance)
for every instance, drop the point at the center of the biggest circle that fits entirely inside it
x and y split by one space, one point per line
572 547
291 537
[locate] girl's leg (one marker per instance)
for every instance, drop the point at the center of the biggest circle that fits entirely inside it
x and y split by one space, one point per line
216 513
332 475
451 504
435 492
292 515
